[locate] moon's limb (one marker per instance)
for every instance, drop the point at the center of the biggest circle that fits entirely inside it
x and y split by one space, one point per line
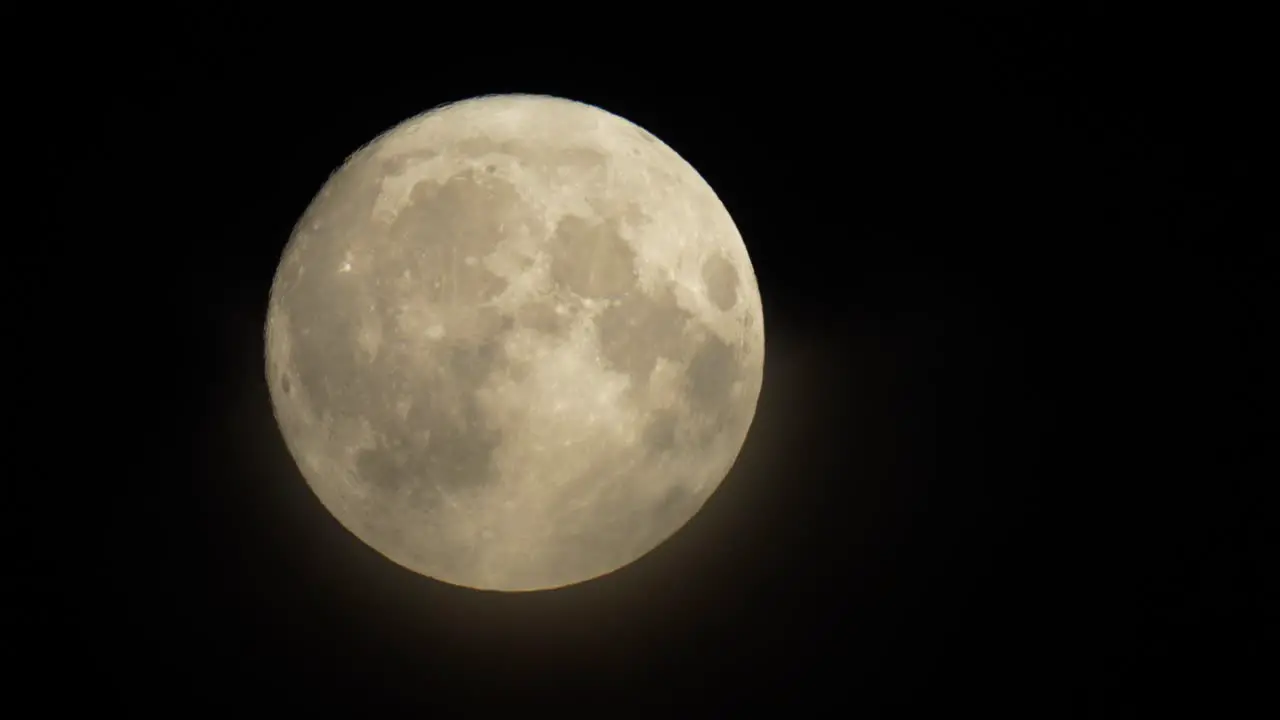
515 343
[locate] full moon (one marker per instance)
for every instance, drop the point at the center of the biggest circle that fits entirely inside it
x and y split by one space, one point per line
515 343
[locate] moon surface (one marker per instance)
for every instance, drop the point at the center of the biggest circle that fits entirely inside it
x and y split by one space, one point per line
515 343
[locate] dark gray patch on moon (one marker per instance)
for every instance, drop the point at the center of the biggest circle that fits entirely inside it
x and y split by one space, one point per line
582 158
721 280
445 223
641 329
478 147
711 374
327 361
383 467
591 259
470 365
444 440
541 315
660 432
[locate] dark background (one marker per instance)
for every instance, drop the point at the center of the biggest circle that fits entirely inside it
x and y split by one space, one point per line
1006 452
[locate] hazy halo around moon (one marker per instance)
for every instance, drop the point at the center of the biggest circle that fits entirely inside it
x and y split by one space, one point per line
515 343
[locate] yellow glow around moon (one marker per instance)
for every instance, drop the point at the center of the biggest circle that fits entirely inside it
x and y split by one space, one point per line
515 343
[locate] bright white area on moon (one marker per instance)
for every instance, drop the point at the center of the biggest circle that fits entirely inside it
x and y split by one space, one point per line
515 343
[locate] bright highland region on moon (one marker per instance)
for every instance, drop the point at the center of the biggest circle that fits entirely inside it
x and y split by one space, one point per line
515 343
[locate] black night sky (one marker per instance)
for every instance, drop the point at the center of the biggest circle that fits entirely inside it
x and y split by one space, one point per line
1006 453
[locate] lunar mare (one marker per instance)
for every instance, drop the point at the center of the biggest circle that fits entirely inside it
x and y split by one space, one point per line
515 343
